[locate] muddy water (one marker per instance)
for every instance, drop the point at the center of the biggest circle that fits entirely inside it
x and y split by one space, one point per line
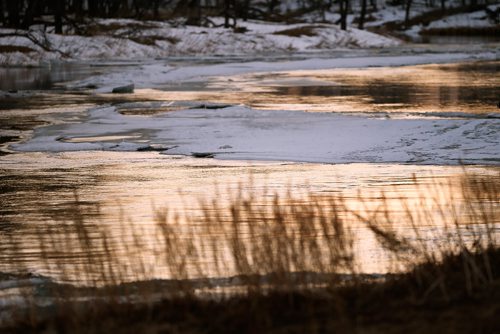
43 195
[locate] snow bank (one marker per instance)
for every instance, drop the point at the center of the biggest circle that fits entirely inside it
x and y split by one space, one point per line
160 40
474 19
247 134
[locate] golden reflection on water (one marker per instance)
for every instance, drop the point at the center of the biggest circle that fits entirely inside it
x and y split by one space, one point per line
119 194
471 88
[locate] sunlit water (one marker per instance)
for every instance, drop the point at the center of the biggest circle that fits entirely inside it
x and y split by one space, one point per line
469 88
114 192
117 191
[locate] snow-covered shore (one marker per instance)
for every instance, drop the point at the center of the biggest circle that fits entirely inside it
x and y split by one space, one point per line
137 40
127 39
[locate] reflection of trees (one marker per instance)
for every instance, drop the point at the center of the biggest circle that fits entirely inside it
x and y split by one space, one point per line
17 78
41 195
36 207
424 87
378 90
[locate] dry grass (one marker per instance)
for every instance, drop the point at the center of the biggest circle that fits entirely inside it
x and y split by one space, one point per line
151 40
299 32
128 30
15 48
96 29
278 264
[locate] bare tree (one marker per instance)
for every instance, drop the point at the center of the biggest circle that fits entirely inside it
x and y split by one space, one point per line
13 9
407 12
229 12
362 15
93 7
2 17
29 13
156 8
272 4
246 8
344 7
58 15
77 7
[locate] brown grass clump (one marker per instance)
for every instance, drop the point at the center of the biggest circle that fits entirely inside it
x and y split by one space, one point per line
299 31
96 29
15 48
273 263
151 40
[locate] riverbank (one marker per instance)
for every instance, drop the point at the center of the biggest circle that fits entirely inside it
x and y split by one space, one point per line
397 305
146 40
125 39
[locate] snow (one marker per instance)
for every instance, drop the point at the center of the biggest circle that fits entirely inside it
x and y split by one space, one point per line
161 40
242 133
474 19
477 19
126 39
159 74
388 13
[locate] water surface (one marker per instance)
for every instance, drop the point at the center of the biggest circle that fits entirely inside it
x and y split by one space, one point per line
464 87
42 194
45 196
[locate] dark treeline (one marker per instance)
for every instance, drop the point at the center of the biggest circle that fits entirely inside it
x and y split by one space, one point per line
24 13
21 14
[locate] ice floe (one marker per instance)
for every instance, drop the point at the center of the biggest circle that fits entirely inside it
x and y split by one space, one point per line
242 133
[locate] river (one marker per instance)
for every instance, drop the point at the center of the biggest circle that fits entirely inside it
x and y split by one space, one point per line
110 191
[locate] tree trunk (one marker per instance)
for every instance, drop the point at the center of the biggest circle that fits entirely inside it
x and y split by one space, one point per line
58 14
362 15
2 17
198 11
93 8
114 8
246 7
78 7
101 8
13 12
407 12
344 4
137 8
443 6
226 13
322 7
29 13
272 6
156 9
